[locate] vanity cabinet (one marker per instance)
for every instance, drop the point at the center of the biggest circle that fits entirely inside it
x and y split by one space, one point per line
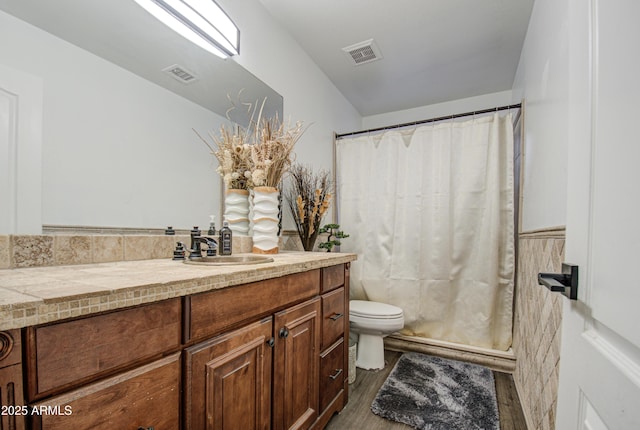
262 355
12 415
264 374
116 370
334 355
145 397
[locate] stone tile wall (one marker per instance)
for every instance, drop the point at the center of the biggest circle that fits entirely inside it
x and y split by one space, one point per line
538 315
18 251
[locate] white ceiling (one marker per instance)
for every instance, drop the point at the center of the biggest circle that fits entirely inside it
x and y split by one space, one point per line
433 50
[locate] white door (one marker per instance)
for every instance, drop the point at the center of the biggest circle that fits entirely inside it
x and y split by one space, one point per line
600 356
20 152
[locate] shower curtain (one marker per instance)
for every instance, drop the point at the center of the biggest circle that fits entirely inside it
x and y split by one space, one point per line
430 214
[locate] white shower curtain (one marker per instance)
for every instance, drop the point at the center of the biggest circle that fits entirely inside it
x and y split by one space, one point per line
430 214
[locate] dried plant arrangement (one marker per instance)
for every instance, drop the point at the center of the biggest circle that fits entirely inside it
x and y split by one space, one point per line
308 198
272 151
232 148
258 155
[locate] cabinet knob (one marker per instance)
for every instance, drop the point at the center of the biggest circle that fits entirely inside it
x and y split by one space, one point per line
283 333
335 375
145 428
271 342
336 316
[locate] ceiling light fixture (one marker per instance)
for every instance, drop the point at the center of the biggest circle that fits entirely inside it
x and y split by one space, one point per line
202 22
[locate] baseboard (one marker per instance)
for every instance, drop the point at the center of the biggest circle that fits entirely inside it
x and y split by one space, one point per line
525 411
501 361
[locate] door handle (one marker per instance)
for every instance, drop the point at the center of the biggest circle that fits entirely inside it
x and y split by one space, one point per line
335 375
565 282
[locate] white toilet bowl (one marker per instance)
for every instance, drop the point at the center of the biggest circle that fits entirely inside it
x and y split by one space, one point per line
372 321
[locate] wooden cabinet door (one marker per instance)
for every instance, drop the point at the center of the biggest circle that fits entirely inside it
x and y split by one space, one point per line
296 360
148 396
228 380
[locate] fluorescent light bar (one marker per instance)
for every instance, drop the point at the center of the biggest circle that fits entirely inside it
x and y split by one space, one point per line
202 22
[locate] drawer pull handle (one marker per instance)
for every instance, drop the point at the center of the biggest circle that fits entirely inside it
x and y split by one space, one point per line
145 428
335 375
336 317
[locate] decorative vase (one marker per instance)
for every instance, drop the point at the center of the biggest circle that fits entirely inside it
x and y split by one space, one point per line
236 211
265 220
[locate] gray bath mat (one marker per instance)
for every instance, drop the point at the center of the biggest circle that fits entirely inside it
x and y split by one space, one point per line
432 393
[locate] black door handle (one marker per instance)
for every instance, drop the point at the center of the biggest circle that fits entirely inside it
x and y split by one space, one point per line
565 282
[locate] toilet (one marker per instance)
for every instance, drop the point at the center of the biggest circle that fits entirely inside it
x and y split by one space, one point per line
372 321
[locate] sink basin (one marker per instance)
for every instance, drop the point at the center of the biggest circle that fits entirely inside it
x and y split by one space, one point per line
230 260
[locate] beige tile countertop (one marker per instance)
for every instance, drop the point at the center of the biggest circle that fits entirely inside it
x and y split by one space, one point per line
38 295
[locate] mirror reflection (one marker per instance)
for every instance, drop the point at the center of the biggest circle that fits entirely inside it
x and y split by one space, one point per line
111 143
127 35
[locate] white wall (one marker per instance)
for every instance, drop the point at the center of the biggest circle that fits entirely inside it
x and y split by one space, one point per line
117 150
437 110
272 55
543 79
120 151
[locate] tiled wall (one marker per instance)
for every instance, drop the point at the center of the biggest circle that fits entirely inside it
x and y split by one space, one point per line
538 315
17 251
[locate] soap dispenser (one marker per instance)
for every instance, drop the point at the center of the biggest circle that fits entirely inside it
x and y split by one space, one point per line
212 225
226 238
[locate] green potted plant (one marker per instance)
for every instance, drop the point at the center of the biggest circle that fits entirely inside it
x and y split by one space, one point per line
335 234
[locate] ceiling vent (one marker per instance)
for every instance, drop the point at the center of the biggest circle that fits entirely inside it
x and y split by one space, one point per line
363 52
181 74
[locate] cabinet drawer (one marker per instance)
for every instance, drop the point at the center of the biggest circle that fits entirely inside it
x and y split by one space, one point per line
333 317
213 312
332 373
332 277
65 354
145 397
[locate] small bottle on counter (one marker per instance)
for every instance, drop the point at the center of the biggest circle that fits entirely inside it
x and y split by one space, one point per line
226 239
212 225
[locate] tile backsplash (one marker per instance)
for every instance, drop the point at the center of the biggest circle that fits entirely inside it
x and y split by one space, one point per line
20 251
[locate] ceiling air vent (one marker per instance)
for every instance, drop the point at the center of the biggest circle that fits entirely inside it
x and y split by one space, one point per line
181 74
363 52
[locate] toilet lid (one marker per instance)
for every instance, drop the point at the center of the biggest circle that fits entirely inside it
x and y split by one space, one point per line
364 308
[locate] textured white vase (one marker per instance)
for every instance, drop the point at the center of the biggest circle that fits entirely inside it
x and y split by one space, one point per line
265 220
236 211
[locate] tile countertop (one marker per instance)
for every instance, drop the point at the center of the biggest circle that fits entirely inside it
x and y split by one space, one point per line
40 295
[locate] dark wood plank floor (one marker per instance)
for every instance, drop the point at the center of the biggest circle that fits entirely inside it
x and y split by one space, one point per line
357 414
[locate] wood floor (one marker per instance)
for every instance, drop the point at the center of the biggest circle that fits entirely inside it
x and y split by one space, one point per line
357 414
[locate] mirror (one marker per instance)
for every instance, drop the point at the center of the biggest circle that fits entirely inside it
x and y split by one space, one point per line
125 34
117 150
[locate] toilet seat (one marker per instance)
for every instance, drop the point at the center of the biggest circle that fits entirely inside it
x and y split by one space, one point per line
366 309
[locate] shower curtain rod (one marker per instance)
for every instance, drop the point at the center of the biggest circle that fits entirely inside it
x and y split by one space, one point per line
425 121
